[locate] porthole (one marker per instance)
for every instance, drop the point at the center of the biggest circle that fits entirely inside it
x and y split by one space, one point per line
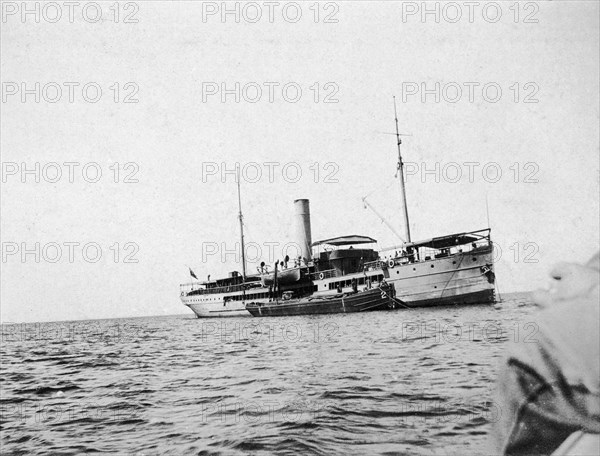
474 259
431 265
414 269
454 262
397 272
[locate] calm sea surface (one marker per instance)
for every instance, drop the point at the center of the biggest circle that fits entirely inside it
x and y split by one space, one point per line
416 381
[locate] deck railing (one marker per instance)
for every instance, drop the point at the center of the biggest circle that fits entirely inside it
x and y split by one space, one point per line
188 288
372 265
327 274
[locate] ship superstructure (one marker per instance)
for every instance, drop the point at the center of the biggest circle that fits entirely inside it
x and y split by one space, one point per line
452 269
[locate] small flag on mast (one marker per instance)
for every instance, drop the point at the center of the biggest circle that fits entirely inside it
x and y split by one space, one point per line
192 273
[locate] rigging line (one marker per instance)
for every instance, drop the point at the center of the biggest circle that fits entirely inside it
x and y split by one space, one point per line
399 302
382 190
453 274
498 289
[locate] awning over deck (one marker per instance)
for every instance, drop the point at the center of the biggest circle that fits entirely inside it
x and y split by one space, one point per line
346 240
443 242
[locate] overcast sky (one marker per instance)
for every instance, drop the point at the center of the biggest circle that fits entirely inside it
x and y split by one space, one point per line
540 131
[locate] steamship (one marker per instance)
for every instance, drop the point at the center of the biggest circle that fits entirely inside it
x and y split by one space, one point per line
446 270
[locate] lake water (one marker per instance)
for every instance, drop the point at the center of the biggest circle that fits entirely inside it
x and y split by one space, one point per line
416 381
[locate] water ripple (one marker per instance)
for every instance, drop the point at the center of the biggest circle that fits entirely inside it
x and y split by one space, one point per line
414 382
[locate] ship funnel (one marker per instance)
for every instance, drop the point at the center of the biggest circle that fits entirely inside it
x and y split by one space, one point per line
303 233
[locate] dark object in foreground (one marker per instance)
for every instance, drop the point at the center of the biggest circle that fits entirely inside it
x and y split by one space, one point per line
379 298
549 385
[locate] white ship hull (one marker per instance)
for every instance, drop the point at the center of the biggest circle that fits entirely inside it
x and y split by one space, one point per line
215 305
456 279
207 310
228 303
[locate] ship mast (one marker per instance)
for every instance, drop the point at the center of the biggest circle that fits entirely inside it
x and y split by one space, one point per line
400 174
240 216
